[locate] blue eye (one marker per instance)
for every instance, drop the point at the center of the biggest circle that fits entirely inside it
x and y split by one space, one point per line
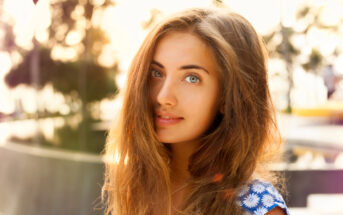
192 79
155 73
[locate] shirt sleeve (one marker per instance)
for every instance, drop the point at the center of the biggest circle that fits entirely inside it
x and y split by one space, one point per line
259 197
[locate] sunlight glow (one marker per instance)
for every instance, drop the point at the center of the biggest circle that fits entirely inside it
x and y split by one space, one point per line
330 203
125 33
109 108
73 38
116 157
339 161
332 13
338 65
5 106
288 12
309 89
108 56
4 133
255 12
111 159
63 53
28 19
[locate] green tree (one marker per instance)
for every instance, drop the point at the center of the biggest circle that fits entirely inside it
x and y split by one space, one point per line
82 78
285 49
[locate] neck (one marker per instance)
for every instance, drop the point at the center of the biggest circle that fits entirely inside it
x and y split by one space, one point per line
180 175
180 161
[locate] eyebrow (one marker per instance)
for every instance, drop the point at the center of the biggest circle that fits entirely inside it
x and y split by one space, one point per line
191 66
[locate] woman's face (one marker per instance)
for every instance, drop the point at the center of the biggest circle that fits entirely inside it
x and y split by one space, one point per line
184 87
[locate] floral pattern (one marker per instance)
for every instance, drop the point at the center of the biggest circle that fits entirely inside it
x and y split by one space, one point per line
268 200
258 188
251 200
259 197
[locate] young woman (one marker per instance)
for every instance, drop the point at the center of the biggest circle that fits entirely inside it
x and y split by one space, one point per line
196 130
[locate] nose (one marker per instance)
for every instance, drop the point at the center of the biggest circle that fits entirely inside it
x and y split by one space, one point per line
166 95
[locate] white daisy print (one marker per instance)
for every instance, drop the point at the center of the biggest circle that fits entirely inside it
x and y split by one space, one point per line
258 188
244 190
281 204
259 197
261 211
251 200
280 198
267 200
272 190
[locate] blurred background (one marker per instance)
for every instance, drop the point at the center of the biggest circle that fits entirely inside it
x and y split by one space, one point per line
62 63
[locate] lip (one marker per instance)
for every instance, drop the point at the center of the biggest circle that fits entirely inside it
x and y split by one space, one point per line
173 119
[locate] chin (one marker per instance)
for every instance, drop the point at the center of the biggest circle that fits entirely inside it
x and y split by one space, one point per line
174 140
167 141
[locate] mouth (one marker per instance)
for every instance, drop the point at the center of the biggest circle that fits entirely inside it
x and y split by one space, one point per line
165 119
168 117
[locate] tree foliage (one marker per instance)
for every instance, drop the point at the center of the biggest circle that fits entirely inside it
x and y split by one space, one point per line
72 16
64 76
285 48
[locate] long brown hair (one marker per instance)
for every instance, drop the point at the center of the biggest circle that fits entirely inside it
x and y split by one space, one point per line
237 147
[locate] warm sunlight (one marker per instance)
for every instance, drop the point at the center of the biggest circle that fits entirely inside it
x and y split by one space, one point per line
63 79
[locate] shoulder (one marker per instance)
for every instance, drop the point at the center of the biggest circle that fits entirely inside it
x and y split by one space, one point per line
260 197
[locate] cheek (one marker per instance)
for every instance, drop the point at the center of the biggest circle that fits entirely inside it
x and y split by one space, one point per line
153 91
202 106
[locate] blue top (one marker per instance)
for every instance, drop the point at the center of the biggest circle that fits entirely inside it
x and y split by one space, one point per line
260 197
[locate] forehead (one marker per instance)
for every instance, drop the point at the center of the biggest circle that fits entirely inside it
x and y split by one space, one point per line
182 47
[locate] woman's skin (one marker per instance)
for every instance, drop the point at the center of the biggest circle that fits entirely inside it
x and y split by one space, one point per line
184 85
185 93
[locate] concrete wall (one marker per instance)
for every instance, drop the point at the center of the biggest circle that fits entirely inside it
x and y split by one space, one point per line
42 185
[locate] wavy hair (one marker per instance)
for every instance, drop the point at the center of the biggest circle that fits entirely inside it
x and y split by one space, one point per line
238 147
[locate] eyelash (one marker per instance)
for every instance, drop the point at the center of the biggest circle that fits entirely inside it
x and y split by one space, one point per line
189 75
152 72
192 75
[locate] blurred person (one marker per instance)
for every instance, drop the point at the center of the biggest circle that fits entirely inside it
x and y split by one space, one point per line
329 80
197 128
